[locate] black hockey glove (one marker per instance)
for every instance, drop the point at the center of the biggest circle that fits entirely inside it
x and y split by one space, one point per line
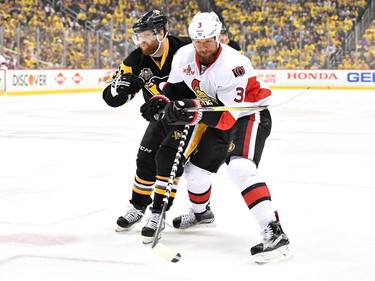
175 116
153 108
126 85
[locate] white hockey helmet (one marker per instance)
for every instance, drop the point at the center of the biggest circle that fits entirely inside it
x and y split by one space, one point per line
205 25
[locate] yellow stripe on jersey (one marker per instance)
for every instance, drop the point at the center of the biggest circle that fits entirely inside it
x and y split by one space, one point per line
141 181
142 191
124 68
194 140
166 179
165 55
161 191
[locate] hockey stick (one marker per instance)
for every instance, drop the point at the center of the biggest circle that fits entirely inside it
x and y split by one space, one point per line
292 98
164 251
240 108
222 108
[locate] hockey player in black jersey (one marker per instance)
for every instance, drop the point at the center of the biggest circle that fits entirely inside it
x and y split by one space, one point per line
224 39
146 69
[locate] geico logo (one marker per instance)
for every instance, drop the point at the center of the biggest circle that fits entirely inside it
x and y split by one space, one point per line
29 80
366 77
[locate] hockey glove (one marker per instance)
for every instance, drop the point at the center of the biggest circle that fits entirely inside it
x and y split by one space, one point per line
153 108
175 116
126 85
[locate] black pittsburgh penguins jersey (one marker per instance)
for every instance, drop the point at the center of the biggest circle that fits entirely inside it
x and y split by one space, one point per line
155 72
234 45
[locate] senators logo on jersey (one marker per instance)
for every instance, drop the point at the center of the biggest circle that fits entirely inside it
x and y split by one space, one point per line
202 96
238 71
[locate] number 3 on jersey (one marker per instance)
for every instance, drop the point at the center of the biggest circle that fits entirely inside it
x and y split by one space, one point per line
240 94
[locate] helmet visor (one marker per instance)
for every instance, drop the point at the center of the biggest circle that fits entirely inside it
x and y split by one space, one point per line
147 36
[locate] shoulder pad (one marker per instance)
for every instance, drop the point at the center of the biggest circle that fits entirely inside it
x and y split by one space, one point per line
186 40
179 41
134 59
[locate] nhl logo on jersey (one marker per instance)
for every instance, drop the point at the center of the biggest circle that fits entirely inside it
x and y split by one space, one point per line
238 71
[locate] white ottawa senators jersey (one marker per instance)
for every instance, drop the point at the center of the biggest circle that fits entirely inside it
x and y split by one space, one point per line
230 81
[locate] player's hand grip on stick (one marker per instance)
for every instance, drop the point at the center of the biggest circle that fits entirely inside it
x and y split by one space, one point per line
154 107
175 114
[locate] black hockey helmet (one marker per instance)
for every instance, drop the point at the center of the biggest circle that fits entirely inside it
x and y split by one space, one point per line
223 30
153 20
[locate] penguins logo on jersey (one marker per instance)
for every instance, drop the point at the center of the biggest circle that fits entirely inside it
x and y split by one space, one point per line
202 96
155 84
176 135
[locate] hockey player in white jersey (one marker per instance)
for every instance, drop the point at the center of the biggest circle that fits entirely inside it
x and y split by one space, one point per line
221 76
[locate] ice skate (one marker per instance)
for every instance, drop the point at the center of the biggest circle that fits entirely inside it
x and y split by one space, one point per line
131 217
205 219
148 231
274 247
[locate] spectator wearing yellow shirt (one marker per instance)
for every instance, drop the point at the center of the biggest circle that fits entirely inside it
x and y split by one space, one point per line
29 62
290 65
363 65
346 63
251 48
256 60
309 47
82 17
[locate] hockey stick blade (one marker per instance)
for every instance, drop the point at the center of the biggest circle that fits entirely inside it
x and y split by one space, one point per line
166 253
223 108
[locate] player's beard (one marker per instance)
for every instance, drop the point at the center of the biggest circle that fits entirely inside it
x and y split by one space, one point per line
149 48
206 58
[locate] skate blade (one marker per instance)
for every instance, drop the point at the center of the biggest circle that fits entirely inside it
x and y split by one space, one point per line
204 225
199 226
148 240
278 255
122 229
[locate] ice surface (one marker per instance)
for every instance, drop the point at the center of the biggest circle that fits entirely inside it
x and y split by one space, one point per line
67 164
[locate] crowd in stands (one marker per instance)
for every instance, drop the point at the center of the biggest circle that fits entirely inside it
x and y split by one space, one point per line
364 58
97 33
293 34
